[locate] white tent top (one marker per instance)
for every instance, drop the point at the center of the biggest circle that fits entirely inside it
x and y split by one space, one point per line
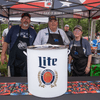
35 20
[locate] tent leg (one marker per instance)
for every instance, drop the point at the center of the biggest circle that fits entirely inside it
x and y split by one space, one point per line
62 24
0 30
89 30
58 23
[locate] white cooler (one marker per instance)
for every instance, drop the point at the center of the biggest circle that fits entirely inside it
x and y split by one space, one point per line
47 70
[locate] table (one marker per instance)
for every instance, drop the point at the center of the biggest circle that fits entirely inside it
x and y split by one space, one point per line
93 96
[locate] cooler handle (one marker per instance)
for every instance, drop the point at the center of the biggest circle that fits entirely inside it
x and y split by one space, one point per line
68 51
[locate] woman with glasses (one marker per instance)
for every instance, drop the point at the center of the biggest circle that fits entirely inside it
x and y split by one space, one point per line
80 52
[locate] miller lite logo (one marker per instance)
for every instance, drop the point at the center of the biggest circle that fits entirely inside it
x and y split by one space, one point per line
47 77
47 61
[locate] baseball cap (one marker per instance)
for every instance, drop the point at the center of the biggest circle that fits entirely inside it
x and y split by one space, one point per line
10 24
67 25
78 27
52 18
26 14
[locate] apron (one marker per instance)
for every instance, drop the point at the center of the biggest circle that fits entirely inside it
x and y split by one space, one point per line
79 60
55 39
18 60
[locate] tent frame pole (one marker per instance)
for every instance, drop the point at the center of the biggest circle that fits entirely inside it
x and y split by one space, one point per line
8 17
89 21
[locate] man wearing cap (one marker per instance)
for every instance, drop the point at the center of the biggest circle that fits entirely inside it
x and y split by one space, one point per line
68 33
52 35
80 52
19 37
4 34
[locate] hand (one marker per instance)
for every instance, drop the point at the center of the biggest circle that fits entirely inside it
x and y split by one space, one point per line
87 70
3 58
69 68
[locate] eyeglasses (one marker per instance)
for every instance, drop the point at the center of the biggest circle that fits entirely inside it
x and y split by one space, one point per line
77 30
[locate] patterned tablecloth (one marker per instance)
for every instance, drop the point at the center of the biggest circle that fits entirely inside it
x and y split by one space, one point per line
75 87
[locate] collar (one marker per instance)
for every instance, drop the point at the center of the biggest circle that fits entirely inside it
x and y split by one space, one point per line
55 31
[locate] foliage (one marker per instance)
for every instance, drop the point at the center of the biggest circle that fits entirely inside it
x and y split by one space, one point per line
3 69
2 27
72 22
98 26
38 27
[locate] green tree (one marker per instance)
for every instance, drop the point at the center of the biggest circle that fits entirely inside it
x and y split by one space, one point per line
98 26
72 22
2 27
38 27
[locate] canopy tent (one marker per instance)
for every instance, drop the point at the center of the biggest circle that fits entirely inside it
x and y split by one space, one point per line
59 8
